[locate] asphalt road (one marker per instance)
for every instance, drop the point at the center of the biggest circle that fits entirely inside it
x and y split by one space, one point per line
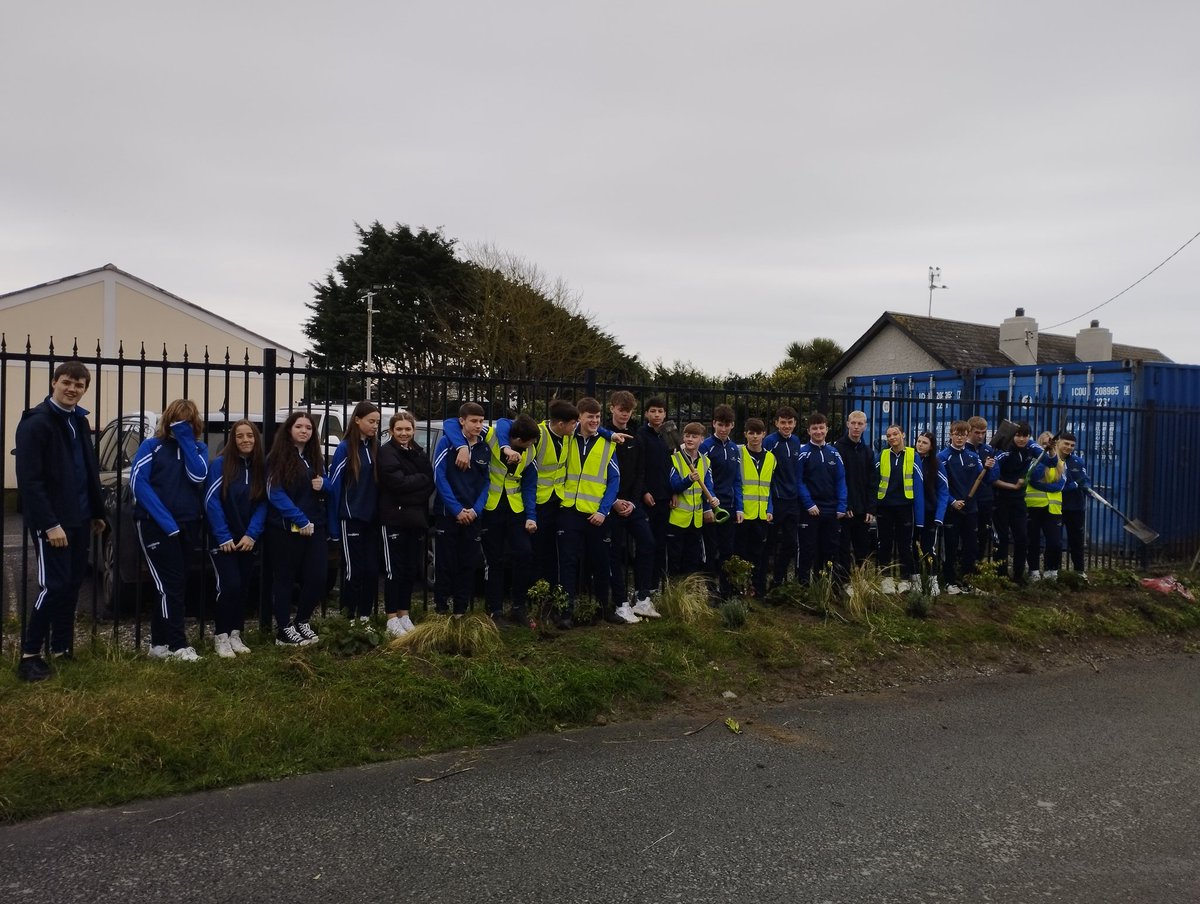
1069 786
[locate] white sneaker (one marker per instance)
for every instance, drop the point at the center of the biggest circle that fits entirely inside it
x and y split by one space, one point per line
1083 575
364 619
306 631
185 654
223 647
645 608
160 651
1035 576
395 627
1050 576
235 642
406 623
625 612
888 586
953 590
903 587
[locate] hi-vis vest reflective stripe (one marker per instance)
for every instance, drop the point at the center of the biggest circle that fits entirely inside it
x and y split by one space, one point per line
1035 498
500 480
756 485
885 471
689 505
551 465
587 479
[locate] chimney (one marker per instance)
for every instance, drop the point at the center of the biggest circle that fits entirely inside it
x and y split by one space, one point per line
1094 343
1019 338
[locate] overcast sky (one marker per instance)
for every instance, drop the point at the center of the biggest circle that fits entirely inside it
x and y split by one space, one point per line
715 179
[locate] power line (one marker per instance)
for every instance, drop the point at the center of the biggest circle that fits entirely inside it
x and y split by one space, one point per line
1127 288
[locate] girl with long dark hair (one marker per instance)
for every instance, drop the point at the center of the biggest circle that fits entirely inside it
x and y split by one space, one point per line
297 527
236 502
356 490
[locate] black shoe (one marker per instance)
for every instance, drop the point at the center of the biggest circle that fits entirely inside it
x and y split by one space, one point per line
33 668
564 623
289 637
64 656
613 619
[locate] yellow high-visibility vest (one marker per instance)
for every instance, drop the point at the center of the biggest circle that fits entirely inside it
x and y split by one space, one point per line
1035 498
500 479
551 465
885 471
689 505
587 480
756 485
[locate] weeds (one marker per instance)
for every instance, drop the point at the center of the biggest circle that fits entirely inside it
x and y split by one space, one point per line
987 578
467 635
686 599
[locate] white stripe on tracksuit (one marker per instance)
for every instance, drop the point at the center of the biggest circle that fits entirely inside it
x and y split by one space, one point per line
162 593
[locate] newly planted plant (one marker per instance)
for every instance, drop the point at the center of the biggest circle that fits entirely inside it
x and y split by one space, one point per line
739 573
733 613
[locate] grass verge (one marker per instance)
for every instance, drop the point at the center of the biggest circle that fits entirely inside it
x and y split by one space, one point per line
112 727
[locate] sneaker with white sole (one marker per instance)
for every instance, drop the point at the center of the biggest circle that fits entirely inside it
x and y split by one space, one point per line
645 608
158 651
406 623
626 614
223 647
1034 576
903 586
953 590
185 654
1050 576
288 637
236 644
395 627
305 630
888 585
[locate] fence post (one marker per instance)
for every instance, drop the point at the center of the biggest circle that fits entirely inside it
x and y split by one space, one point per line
589 379
1145 496
269 405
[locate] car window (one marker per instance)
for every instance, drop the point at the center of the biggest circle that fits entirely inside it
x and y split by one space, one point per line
107 453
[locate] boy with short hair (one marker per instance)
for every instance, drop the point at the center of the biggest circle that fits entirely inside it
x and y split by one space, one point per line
588 493
628 520
59 486
1074 499
725 465
691 507
656 480
783 536
984 497
460 497
821 487
961 527
510 514
757 511
1009 473
861 465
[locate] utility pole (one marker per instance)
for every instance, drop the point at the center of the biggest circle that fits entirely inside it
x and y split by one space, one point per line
369 297
935 277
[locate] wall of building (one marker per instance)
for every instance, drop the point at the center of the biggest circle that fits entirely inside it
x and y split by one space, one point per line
889 352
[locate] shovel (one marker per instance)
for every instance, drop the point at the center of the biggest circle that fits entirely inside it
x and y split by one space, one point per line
1142 531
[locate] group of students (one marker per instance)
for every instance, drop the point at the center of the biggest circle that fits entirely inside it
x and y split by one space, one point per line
546 500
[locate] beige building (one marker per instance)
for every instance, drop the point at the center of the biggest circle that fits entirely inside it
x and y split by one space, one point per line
112 314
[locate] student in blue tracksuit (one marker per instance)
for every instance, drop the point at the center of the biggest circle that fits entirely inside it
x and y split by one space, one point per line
167 483
62 504
236 502
962 517
784 533
821 487
1074 499
984 497
460 500
725 465
297 527
355 487
937 498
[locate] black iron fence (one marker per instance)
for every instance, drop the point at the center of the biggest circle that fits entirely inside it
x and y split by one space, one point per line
1142 459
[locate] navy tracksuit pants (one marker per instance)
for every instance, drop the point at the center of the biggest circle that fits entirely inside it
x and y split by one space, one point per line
360 555
60 575
234 571
403 556
168 558
296 559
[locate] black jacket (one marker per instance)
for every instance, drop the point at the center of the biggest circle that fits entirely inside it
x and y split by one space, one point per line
656 463
51 486
859 460
405 485
629 460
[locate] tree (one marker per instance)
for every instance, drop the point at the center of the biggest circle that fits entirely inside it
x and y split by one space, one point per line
423 288
805 363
